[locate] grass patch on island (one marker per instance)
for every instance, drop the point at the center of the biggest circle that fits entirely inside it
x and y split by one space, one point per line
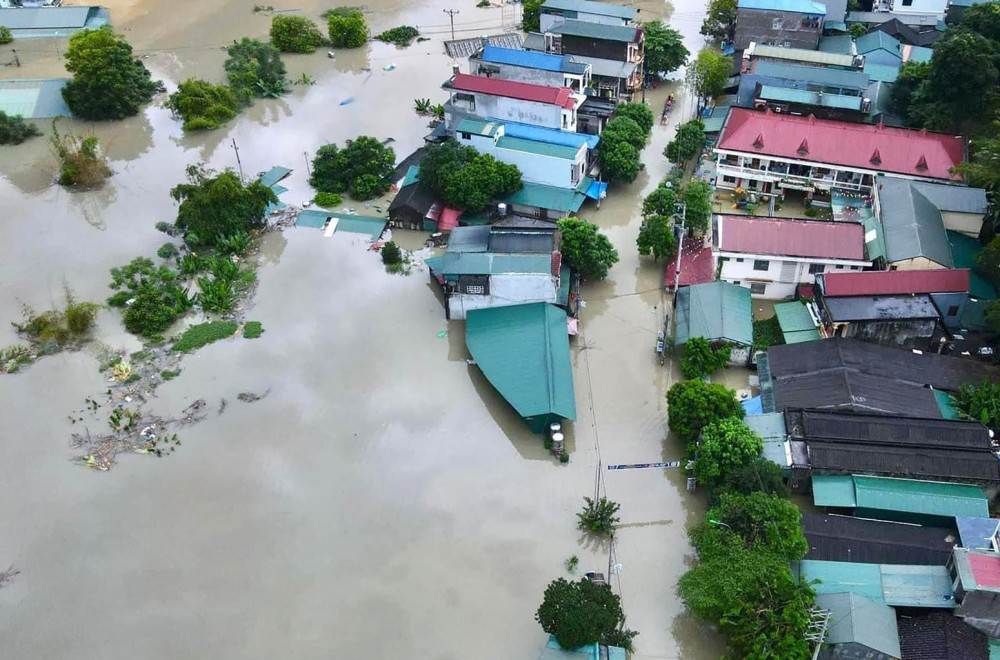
252 329
202 334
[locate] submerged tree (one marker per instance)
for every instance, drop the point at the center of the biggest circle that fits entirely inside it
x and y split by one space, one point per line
202 105
585 249
214 206
295 34
363 168
598 516
255 69
582 613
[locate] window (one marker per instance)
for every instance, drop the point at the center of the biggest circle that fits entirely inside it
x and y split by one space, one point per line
953 310
907 3
761 264
776 24
739 260
723 258
816 268
467 100
466 136
758 288
476 289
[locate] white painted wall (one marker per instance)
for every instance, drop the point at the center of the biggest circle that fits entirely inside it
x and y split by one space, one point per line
969 224
546 21
526 112
783 274
506 290
936 7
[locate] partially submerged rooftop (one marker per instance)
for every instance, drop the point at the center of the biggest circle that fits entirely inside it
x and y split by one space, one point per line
715 311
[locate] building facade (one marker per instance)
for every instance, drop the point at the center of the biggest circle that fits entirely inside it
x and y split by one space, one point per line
788 23
505 100
530 67
557 11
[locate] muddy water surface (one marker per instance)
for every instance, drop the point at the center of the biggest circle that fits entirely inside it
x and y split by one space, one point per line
381 500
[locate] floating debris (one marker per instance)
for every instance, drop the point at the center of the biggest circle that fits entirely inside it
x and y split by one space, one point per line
6 577
252 397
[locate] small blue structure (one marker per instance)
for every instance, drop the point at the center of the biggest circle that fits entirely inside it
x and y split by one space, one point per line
553 651
34 99
35 22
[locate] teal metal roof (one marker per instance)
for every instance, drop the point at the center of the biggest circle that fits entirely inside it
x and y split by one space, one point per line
807 97
715 311
834 490
838 43
541 196
919 54
946 404
881 72
874 239
794 6
539 148
360 224
590 652
935 498
565 280
892 584
596 31
523 350
771 429
964 253
855 619
312 218
795 322
591 7
478 127
837 577
485 263
34 99
274 175
469 239
878 40
411 177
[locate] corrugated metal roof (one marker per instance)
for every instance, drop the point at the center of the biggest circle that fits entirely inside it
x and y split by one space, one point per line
478 127
912 224
806 97
610 68
597 31
814 75
917 54
842 44
359 224
874 239
946 404
520 242
855 619
939 636
34 99
894 282
881 72
793 6
485 263
900 461
538 148
45 18
412 176
523 350
590 7
836 577
863 540
771 429
880 308
532 60
894 585
791 238
469 239
835 490
550 135
977 533
978 570
954 198
762 51
715 311
541 196
878 40
882 429
933 498
795 322
899 150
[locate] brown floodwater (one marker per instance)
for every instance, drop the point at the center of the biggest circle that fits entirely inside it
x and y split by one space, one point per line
381 500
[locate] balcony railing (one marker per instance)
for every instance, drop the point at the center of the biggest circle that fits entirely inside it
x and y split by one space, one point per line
779 173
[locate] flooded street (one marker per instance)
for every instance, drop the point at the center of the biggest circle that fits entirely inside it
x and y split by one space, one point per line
381 500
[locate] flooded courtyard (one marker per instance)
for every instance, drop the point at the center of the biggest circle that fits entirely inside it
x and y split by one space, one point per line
381 500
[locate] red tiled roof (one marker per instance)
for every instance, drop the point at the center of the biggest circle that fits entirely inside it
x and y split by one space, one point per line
697 265
986 570
896 282
863 146
792 238
514 90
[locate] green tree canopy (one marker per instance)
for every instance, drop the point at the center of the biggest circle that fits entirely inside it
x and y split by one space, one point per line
694 404
347 28
909 81
983 19
697 197
857 30
580 613
442 161
364 168
687 143
619 161
708 74
720 21
637 112
963 74
202 105
725 444
481 181
662 201
587 251
531 15
702 359
981 403
108 82
624 129
295 34
759 475
989 261
255 69
759 520
665 50
216 206
656 236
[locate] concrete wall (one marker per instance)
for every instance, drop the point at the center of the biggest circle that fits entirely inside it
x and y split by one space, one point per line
500 107
969 224
780 279
935 7
524 74
775 27
505 290
548 20
918 263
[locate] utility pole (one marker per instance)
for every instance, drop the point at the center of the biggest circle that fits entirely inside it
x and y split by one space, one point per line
451 14
237 150
305 154
680 249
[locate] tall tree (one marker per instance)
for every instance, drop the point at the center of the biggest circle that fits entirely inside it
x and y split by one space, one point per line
662 201
254 68
108 82
697 198
215 206
665 50
581 613
637 112
531 16
481 181
702 359
983 19
759 521
963 74
708 74
909 81
586 249
347 27
694 404
619 161
442 161
656 236
295 34
624 129
720 21
725 445
687 143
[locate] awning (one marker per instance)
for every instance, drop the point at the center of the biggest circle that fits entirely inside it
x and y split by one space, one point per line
449 219
597 190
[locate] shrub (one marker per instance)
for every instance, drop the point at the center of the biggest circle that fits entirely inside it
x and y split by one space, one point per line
6 36
254 69
767 333
981 404
15 130
760 521
216 295
391 254
157 298
700 359
150 313
328 200
81 162
169 375
252 329
347 28
295 34
63 326
202 105
166 251
202 334
236 244
598 517
401 36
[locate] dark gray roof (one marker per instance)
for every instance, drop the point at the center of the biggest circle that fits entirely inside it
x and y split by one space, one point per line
846 538
939 635
880 308
525 222
904 462
415 196
912 224
469 239
849 390
413 159
814 75
880 429
586 29
514 241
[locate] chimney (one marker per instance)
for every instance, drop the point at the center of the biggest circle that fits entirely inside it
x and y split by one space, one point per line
759 142
876 158
455 70
486 42
804 147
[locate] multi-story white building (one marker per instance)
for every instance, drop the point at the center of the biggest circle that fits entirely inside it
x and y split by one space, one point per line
772 256
557 11
507 100
530 67
771 153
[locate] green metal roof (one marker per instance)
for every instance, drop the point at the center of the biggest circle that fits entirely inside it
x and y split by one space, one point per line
807 97
840 43
360 224
715 311
274 175
878 40
855 619
920 54
891 584
454 264
935 498
882 72
795 322
478 127
523 350
596 31
564 200
539 148
412 176
964 251
946 404
874 239
836 577
565 280
834 490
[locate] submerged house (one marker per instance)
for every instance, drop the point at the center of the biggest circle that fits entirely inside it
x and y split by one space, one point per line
721 313
523 350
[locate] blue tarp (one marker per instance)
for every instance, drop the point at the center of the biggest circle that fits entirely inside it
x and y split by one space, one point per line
753 406
597 190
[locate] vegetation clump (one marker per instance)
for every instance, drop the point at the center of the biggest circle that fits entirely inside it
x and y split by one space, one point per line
702 359
108 82
328 200
531 15
656 236
585 249
582 613
203 106
255 69
665 50
295 34
65 326
363 168
13 357
598 516
402 36
202 334
694 404
81 163
981 404
391 254
6 36
252 329
347 27
466 179
725 445
708 73
217 206
151 297
767 333
15 130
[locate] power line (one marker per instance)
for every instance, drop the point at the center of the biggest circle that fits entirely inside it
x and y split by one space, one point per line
451 14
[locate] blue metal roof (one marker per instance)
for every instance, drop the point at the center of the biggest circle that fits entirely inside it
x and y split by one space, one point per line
550 135
977 533
794 6
34 99
531 59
